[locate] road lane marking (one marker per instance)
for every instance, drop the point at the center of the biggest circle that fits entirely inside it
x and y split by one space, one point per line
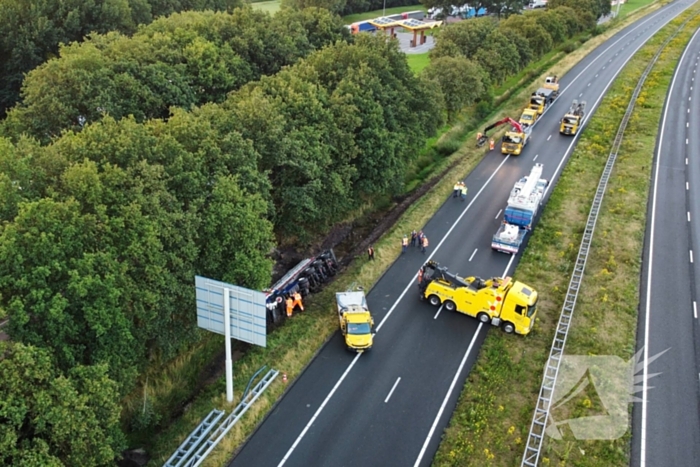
686 186
392 390
318 411
580 95
645 375
500 211
535 158
589 85
596 75
447 396
475 250
686 159
691 256
695 309
549 137
688 216
687 124
690 97
438 312
689 110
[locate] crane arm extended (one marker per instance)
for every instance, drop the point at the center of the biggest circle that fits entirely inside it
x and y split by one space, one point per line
515 124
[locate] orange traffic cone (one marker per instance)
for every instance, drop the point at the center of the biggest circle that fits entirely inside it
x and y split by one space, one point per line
284 377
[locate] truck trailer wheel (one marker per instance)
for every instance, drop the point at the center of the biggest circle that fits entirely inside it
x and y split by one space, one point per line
483 317
450 305
434 300
508 328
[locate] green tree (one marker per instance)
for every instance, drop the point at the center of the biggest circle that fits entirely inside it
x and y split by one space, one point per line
537 37
465 37
459 80
335 6
499 56
53 419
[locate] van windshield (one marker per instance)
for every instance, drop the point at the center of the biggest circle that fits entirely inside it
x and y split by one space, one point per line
531 309
358 329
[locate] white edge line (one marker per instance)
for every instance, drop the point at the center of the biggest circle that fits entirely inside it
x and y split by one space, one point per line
447 396
643 435
438 312
318 411
392 390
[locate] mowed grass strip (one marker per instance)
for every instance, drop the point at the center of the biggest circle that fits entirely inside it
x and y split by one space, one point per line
292 347
494 412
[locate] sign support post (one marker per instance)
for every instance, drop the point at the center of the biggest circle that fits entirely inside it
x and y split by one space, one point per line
227 336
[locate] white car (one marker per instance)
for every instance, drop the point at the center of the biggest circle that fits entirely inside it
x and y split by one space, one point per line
537 4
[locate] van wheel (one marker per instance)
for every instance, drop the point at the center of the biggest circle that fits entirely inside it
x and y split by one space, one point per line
508 328
450 305
434 300
483 317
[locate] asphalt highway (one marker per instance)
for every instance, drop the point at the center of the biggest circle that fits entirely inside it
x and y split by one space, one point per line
666 426
388 407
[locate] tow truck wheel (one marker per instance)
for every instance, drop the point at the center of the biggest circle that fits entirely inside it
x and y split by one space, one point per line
450 305
483 317
434 300
508 328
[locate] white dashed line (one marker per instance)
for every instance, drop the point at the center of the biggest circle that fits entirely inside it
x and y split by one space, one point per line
687 124
596 76
535 158
472 256
392 390
688 216
690 97
695 309
686 159
580 95
549 137
691 256
589 85
686 186
500 211
438 312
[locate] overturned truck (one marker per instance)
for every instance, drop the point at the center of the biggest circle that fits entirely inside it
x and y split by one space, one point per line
307 277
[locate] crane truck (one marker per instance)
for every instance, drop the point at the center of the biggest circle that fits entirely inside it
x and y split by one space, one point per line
573 118
500 301
523 203
513 141
355 319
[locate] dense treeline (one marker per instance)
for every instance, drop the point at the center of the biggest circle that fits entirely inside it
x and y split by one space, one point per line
31 30
183 60
191 147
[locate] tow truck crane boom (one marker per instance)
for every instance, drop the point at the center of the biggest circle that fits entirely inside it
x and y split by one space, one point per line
516 125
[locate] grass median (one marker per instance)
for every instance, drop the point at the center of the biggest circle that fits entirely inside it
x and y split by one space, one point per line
292 347
494 412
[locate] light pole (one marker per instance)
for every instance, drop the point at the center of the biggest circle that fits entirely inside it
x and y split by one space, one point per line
384 9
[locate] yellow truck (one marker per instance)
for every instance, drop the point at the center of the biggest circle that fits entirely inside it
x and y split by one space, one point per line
529 117
355 319
541 99
501 301
573 119
514 140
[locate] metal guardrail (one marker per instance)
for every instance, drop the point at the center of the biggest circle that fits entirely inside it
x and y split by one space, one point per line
193 451
551 371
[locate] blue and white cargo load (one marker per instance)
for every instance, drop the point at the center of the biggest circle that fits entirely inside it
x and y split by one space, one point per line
523 203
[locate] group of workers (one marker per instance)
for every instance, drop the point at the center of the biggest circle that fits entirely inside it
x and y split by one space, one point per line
292 301
418 239
460 189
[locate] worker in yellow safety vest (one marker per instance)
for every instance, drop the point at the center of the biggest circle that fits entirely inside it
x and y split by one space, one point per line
456 188
297 301
290 306
404 244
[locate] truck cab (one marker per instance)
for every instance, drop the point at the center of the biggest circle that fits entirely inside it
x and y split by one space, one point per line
552 82
355 320
540 99
528 118
513 143
569 124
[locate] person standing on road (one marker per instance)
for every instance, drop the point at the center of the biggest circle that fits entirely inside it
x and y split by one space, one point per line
414 236
404 244
455 189
463 191
492 144
424 244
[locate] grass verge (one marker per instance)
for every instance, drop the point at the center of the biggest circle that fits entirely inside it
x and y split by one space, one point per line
293 346
491 421
417 61
271 7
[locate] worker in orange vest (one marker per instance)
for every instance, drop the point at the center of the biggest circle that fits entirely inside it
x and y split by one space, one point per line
425 244
492 144
290 307
404 244
297 301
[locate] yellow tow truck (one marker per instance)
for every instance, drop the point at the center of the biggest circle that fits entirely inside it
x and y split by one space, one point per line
571 122
552 82
356 321
501 301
